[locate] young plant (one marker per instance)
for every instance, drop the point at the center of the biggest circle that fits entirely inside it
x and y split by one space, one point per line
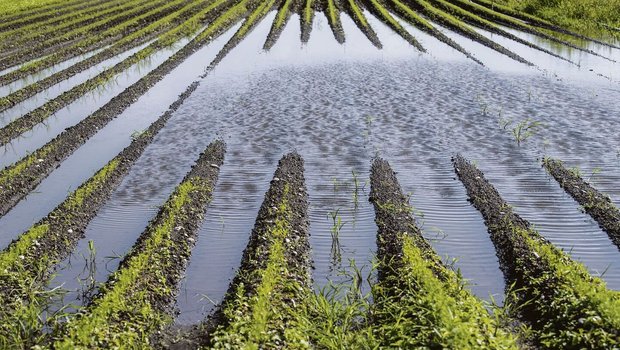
525 129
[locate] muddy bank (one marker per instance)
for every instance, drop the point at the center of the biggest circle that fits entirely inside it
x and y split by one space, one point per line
275 268
555 295
598 205
136 300
415 289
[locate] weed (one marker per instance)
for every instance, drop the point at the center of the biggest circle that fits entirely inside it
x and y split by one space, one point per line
525 130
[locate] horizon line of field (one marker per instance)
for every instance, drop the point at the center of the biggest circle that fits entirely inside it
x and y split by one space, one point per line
190 229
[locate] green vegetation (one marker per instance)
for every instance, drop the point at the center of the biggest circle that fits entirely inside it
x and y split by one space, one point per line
525 129
417 300
598 205
306 18
332 12
124 29
26 263
574 309
127 311
38 115
34 51
388 19
564 306
422 303
267 318
598 17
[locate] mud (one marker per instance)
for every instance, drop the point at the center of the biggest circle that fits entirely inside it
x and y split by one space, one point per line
288 185
598 205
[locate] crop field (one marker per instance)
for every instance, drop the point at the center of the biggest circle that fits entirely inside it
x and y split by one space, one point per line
309 174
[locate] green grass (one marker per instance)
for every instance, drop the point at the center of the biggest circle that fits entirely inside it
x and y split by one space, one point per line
585 16
10 173
24 273
423 303
124 316
581 313
283 14
267 318
308 12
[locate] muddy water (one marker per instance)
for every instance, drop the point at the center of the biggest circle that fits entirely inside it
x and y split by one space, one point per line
339 106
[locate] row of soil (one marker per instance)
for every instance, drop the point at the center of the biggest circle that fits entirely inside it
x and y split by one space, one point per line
559 300
74 48
415 290
26 264
598 205
27 16
135 301
102 28
30 35
286 9
22 177
418 302
171 29
273 280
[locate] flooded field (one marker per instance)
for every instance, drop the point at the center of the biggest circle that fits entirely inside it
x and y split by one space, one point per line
243 154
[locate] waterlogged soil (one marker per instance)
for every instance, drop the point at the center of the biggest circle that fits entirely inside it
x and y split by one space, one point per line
339 106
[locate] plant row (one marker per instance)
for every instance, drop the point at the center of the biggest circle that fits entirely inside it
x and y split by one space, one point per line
598 205
22 177
563 304
134 302
26 264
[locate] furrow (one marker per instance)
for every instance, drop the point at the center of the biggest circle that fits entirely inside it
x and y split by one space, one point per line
456 25
127 43
102 28
539 22
384 15
41 14
516 24
58 26
130 32
260 307
413 283
562 303
26 264
306 16
598 205
287 7
355 12
135 301
475 20
40 114
22 177
332 12
419 22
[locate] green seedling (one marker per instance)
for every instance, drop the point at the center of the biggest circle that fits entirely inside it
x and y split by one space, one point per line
525 130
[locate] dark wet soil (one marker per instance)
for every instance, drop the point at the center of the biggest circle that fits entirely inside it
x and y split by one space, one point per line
593 202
